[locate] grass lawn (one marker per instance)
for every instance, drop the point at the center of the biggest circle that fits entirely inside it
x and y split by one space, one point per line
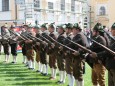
19 75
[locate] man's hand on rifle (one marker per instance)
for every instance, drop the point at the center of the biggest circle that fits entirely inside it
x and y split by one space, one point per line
44 43
52 46
93 55
28 41
76 53
61 48
38 43
65 54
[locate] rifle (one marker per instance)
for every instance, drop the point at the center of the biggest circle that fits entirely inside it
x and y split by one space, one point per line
62 44
107 49
49 42
35 38
17 34
80 46
109 35
5 36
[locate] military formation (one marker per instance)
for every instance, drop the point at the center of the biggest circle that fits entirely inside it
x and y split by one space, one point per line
65 47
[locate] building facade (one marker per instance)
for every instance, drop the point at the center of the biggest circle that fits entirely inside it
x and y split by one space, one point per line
41 11
103 12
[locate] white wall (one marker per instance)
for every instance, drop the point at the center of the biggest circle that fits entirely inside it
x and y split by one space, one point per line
5 15
0 5
21 15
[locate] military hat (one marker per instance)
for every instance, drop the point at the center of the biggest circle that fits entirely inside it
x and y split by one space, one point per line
98 27
113 27
69 26
52 25
62 26
30 26
101 29
76 26
44 25
104 27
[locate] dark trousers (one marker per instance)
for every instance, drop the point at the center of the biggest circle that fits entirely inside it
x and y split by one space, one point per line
24 50
111 77
6 49
52 61
14 49
43 58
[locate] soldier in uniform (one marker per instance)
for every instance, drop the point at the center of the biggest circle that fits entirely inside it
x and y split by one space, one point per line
68 56
37 47
30 50
51 52
60 55
109 59
78 60
98 71
43 54
13 44
22 43
5 42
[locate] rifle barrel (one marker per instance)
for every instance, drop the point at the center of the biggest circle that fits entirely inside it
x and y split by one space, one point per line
61 44
109 50
80 46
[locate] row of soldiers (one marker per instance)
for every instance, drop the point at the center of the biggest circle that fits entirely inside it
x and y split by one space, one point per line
64 51
8 40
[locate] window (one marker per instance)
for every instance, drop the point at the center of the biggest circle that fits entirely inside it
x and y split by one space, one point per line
62 4
73 5
36 5
50 5
102 10
5 5
85 22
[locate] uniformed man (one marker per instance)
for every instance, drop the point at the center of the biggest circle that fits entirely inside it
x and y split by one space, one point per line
51 52
78 62
22 43
98 71
109 59
43 54
13 44
30 50
60 55
37 47
5 42
68 56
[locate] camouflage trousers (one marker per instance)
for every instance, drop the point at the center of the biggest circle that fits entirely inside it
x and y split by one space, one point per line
98 74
